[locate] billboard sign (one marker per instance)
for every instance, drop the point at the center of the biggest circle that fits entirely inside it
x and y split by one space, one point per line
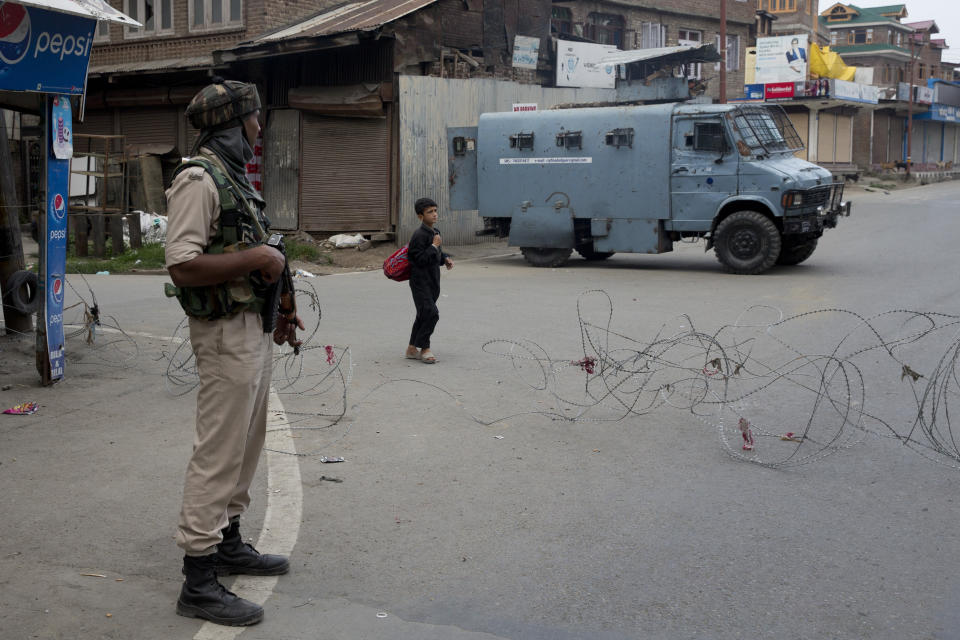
854 91
779 90
578 65
781 59
42 50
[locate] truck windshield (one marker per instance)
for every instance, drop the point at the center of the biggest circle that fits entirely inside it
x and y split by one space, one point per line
766 129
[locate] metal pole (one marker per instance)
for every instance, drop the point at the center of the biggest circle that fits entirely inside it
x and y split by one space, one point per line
910 104
723 51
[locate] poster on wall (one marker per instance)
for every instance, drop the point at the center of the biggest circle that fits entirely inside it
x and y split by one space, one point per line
526 50
578 65
781 59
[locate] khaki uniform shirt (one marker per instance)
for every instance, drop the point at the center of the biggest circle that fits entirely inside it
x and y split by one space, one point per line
193 212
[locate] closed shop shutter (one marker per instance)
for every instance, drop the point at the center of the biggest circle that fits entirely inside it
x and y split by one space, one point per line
895 140
916 141
281 167
96 123
950 143
155 126
801 122
99 123
844 143
344 174
826 135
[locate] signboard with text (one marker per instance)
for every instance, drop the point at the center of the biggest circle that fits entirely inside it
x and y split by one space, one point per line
55 253
781 59
43 51
578 65
526 50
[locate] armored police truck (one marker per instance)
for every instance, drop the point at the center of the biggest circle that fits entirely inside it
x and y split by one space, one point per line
638 179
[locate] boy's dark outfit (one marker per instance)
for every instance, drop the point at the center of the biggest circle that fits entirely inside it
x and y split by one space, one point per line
425 260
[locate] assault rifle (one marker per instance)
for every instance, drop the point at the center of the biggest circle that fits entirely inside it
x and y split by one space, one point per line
280 297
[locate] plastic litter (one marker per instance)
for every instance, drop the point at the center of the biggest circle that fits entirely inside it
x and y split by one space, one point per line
300 273
103 273
345 240
331 459
23 409
747 434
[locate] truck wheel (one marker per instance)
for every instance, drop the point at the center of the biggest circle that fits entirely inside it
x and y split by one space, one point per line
545 257
747 242
588 253
794 252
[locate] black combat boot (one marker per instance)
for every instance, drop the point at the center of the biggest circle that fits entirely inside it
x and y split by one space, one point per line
236 556
202 596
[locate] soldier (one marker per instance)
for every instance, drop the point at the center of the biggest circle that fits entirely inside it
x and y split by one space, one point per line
225 270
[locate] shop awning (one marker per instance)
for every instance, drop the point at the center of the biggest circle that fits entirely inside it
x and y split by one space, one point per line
96 9
666 56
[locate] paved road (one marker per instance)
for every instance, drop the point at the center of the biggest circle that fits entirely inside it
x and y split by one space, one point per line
447 523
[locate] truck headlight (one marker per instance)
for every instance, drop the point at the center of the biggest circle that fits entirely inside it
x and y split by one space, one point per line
792 199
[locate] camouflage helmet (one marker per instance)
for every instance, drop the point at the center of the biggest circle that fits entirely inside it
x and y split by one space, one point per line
222 104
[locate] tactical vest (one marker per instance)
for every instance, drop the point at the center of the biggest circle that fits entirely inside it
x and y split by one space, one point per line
239 227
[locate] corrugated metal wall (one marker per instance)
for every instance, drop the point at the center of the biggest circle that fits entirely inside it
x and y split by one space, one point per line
428 105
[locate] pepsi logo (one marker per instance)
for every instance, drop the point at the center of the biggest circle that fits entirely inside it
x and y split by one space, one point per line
57 290
14 33
59 206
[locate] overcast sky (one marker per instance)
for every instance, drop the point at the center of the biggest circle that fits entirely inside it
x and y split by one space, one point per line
946 13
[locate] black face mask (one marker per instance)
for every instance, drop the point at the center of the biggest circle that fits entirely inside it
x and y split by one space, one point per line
232 147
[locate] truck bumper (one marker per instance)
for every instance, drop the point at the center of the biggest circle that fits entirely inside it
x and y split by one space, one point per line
815 223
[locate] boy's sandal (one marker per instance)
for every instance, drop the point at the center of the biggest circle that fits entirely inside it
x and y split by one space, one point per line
428 359
412 356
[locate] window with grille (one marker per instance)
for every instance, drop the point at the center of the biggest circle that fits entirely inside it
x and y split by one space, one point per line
156 16
652 35
103 32
733 52
605 28
207 15
561 20
690 38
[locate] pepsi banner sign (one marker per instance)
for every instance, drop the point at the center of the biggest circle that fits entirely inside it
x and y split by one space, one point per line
55 255
42 50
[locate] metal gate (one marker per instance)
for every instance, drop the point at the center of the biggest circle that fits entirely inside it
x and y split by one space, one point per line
344 174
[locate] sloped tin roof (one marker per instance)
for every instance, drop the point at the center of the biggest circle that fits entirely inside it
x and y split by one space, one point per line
351 16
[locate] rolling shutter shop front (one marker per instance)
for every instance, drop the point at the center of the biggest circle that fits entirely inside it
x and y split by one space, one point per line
154 126
344 174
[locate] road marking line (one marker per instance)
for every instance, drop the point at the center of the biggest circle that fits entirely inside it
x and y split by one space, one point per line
281 522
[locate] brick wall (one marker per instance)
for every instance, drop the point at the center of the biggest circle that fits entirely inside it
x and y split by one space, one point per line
258 16
694 15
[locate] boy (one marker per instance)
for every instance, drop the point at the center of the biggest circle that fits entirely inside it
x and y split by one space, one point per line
425 257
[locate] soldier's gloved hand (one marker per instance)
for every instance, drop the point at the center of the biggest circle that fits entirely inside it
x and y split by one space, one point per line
286 331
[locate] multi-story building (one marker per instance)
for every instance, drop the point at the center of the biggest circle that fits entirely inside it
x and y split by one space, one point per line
793 17
900 54
645 24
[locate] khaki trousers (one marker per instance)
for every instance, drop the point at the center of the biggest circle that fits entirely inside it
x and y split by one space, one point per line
233 358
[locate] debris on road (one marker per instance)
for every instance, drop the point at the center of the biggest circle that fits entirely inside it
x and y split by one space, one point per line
23 409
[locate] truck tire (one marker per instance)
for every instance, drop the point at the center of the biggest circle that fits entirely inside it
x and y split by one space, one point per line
588 253
545 257
794 252
747 243
22 291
